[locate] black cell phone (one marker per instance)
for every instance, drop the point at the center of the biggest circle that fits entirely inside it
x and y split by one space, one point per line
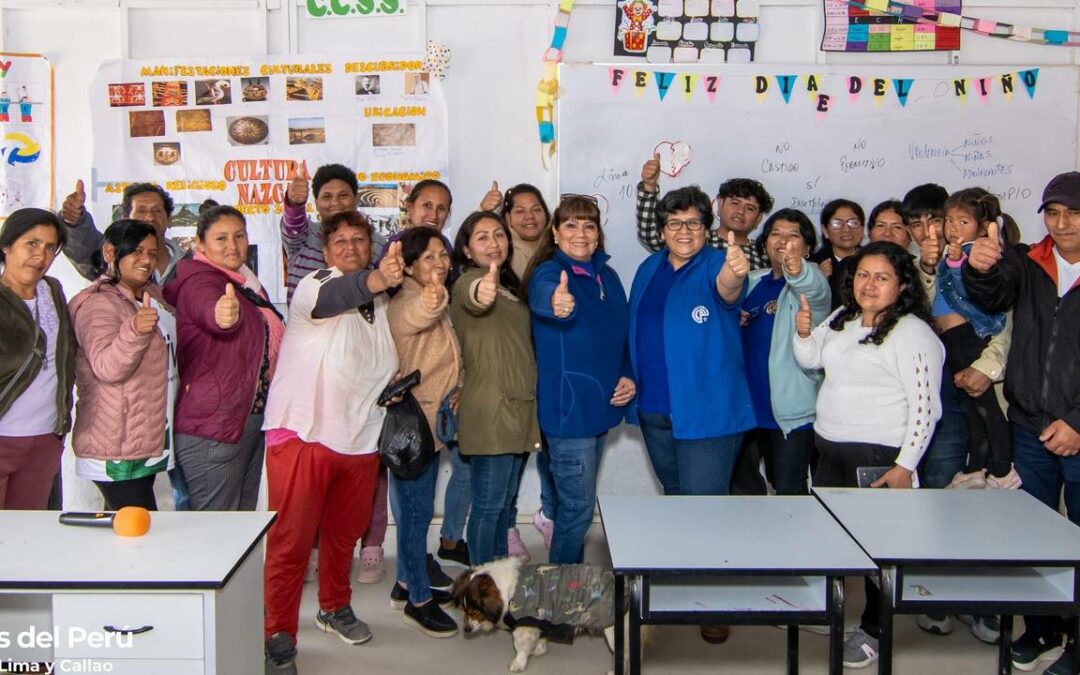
866 475
398 388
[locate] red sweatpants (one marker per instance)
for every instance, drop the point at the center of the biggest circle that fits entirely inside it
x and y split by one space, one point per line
28 465
314 491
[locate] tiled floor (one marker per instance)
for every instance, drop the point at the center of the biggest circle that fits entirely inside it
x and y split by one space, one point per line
672 650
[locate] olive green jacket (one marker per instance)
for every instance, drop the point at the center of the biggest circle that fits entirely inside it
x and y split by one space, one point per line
21 339
498 402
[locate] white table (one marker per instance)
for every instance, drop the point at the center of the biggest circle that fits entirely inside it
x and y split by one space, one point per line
977 552
737 560
185 598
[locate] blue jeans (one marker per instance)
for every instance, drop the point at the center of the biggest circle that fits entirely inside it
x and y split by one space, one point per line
574 463
947 452
689 467
494 491
787 460
413 504
547 485
458 496
181 496
1044 474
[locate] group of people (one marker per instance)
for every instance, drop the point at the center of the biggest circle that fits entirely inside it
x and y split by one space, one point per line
823 364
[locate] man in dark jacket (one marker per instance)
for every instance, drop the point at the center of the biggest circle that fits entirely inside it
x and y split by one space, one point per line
1042 378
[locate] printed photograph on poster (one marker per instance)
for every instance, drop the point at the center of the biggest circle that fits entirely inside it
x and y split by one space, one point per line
305 130
166 154
213 92
144 123
169 94
385 222
417 84
193 120
254 88
379 195
367 85
127 94
383 135
248 130
26 123
303 89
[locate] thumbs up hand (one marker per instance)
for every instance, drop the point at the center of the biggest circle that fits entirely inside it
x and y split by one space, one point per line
793 252
492 198
146 317
297 192
986 251
74 205
650 173
804 321
562 301
227 309
930 250
432 296
488 287
392 265
736 261
954 252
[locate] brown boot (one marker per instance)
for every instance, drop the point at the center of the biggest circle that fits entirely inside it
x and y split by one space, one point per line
715 634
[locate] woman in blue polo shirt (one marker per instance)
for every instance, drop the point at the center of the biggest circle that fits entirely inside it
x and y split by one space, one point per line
686 351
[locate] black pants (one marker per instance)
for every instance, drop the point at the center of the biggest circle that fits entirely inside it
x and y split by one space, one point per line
787 460
746 478
837 466
989 435
134 492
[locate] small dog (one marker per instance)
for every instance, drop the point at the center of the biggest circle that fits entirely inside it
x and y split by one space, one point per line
536 602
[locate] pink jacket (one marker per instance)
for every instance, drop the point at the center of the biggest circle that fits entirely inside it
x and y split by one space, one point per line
120 375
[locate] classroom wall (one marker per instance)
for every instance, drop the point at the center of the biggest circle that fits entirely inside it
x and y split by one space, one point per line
496 49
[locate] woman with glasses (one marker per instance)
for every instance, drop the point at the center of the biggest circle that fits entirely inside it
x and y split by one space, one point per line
693 400
842 230
783 393
579 328
37 359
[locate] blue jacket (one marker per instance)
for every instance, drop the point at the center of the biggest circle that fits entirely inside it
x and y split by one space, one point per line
952 297
702 348
580 358
792 390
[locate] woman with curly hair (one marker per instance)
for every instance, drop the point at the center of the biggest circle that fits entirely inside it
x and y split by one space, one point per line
880 399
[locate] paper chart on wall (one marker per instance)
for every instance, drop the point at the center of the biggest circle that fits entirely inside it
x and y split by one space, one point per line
237 130
26 131
687 31
866 26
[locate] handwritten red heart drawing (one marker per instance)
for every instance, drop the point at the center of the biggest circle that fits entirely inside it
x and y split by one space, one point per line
674 156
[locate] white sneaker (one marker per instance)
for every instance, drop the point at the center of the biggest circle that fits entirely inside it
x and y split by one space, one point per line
1010 481
372 568
976 480
516 547
935 625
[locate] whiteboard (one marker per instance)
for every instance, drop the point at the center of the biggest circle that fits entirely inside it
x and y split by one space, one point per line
867 148
863 149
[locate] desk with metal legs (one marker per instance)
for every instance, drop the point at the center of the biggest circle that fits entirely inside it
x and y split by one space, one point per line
734 560
978 552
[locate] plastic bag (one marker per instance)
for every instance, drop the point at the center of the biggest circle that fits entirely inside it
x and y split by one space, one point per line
406 445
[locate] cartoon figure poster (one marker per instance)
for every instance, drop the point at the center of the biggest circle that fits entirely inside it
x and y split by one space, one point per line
26 121
687 31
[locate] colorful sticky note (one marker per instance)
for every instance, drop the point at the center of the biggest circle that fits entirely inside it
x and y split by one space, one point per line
712 55
669 8
723 8
696 31
877 5
722 31
668 30
566 5
748 9
739 55
684 55
948 19
658 54
694 8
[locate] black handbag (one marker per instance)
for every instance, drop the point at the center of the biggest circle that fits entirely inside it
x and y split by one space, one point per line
406 445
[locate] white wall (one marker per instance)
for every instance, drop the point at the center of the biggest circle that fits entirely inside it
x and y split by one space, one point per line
496 50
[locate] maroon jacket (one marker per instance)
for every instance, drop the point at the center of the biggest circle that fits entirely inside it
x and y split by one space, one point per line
219 369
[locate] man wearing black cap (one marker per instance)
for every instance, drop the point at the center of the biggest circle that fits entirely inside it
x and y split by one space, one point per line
1042 380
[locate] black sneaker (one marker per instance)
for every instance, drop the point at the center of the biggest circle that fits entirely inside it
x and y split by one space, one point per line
1029 649
439 579
280 655
430 619
344 624
458 554
399 596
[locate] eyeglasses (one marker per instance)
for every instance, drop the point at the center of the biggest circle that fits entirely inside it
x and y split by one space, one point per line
850 224
691 224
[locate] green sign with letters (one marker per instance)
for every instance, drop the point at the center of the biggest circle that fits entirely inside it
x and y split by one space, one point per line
326 9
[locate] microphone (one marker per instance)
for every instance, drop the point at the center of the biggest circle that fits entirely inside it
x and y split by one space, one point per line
130 521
